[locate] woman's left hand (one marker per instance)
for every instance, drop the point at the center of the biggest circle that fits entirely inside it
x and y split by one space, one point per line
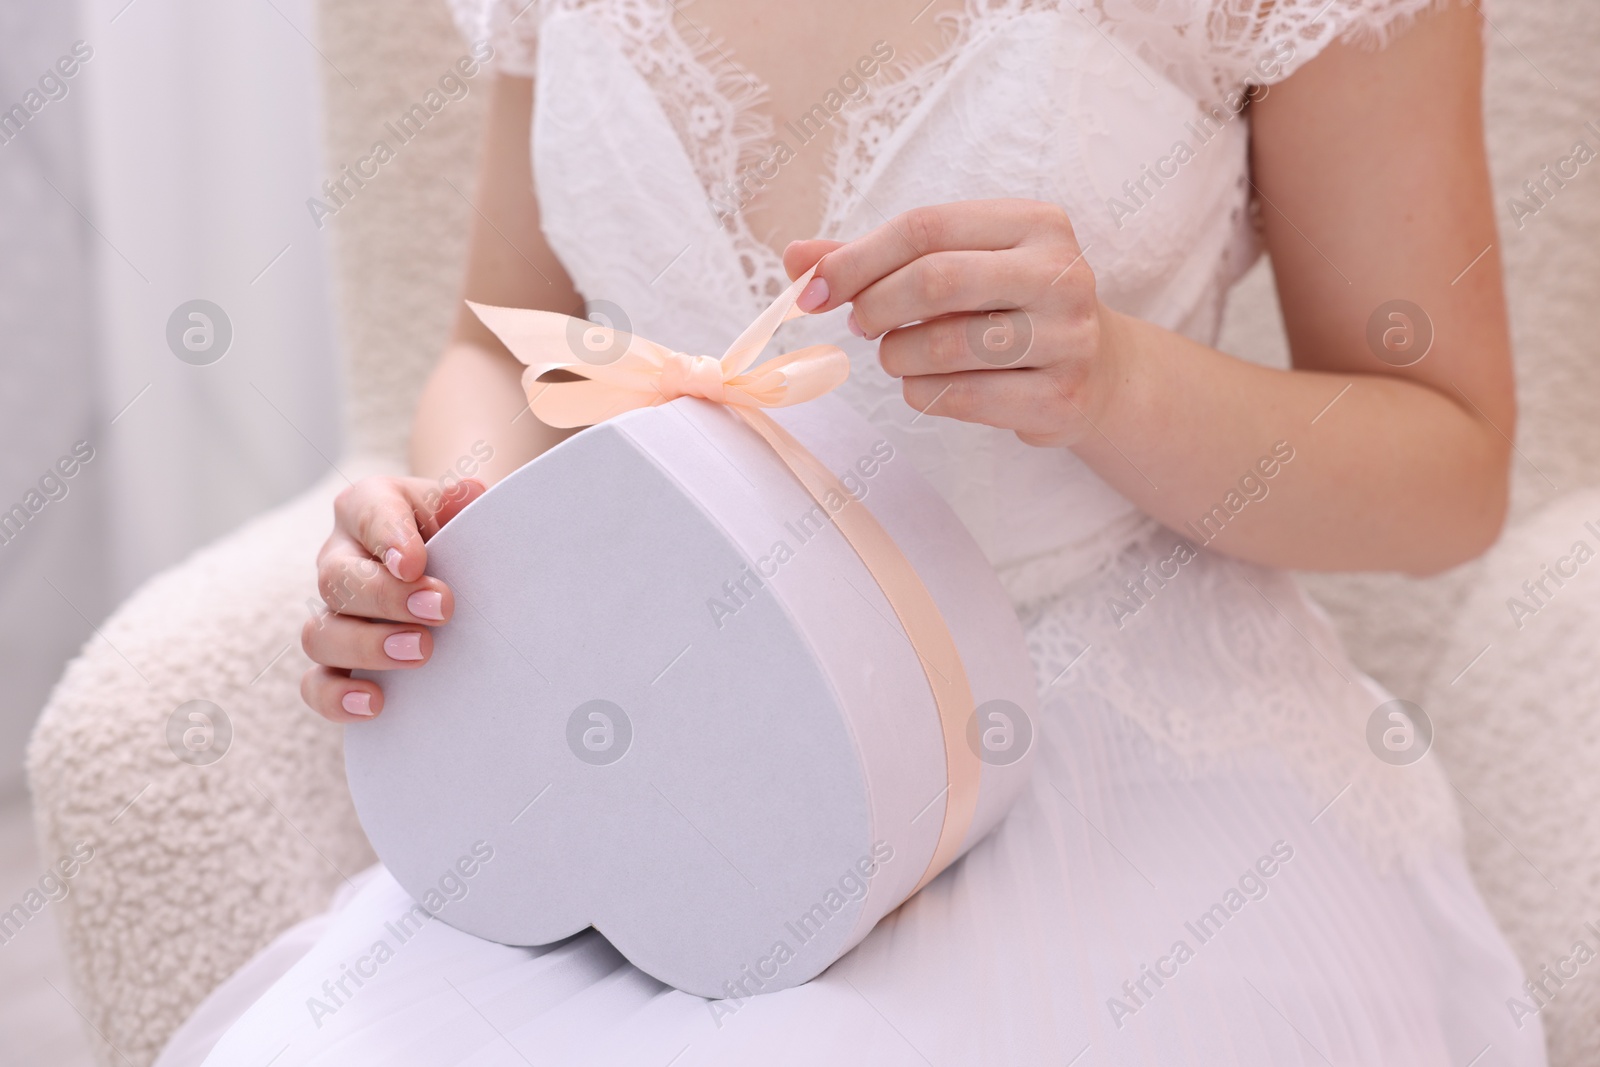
985 308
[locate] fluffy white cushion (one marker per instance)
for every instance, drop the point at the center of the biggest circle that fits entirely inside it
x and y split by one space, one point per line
195 868
1515 701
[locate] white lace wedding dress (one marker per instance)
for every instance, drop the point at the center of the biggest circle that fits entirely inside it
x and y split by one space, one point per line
1212 866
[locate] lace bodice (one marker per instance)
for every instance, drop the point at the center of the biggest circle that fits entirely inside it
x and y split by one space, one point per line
639 133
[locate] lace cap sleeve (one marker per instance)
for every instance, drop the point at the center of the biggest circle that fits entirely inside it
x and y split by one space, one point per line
1214 48
1261 42
510 27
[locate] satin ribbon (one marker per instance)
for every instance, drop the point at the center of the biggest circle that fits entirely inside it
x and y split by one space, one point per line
646 374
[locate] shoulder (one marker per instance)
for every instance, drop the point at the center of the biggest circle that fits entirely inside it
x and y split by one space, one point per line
1216 47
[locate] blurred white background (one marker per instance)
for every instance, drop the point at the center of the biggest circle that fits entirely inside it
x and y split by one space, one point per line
175 167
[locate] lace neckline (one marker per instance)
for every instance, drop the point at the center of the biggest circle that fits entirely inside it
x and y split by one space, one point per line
717 108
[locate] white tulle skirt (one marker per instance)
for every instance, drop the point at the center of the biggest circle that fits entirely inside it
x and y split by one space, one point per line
1157 897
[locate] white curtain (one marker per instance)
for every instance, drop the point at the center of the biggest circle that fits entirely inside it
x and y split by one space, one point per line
171 166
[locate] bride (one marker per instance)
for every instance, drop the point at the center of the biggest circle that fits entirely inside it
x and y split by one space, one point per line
1224 856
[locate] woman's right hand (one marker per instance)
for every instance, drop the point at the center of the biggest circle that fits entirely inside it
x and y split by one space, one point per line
380 605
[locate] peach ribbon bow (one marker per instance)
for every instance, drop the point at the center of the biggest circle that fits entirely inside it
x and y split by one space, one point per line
646 374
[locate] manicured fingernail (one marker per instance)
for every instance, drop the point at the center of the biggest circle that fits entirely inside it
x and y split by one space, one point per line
391 559
813 296
357 702
853 326
426 604
406 646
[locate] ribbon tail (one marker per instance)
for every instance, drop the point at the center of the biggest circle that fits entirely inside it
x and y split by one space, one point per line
748 345
918 613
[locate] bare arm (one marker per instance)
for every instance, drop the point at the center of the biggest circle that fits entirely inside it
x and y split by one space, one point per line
1373 188
475 392
1371 173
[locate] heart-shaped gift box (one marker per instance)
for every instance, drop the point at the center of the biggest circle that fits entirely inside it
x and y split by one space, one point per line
674 703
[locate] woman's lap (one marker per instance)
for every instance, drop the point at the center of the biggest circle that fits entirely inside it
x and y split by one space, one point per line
1124 912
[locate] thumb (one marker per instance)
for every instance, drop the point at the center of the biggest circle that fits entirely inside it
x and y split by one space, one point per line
455 501
801 256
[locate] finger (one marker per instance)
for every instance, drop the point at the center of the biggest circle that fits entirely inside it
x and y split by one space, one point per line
337 697
801 256
1035 403
951 343
945 283
984 225
390 518
353 583
346 643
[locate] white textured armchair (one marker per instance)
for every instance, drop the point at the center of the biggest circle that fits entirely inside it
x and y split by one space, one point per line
198 867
